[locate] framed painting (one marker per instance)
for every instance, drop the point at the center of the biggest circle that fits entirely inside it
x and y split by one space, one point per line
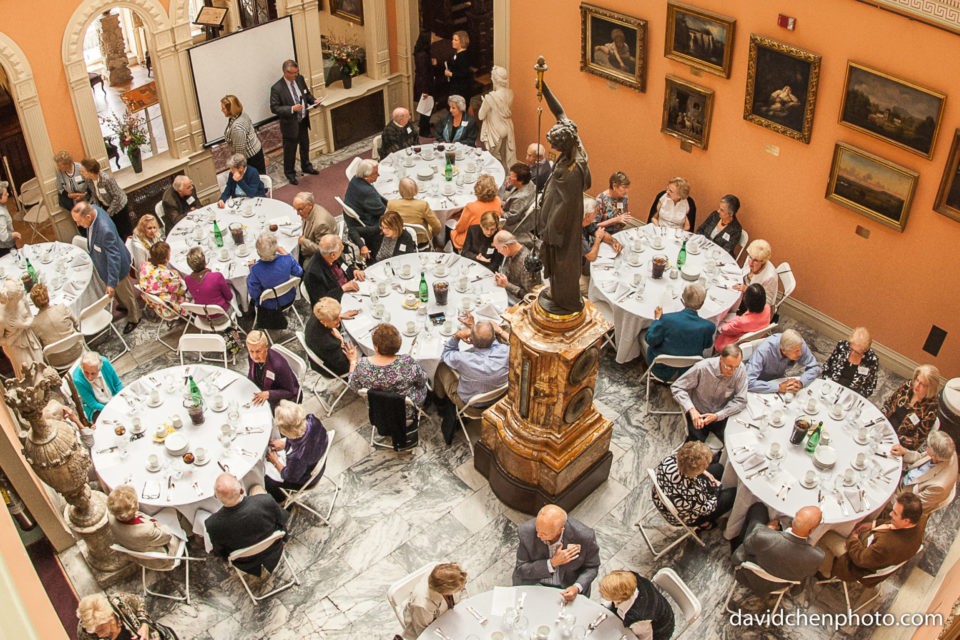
871 186
948 196
700 38
782 85
613 46
896 111
351 10
687 111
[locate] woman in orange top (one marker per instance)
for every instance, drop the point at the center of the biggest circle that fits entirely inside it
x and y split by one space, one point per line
487 200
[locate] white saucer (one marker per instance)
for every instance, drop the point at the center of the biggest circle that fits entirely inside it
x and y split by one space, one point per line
196 461
243 254
813 485
220 410
773 457
861 442
810 413
835 417
776 425
137 431
247 213
633 263
153 469
459 290
445 334
410 335
405 277
845 483
853 464
657 247
692 250
440 275
154 405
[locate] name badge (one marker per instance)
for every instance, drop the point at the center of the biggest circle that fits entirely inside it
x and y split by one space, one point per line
270 375
863 371
191 200
403 247
97 249
102 191
489 250
725 235
914 419
409 130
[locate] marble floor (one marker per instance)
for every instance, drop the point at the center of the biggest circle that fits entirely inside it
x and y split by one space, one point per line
398 512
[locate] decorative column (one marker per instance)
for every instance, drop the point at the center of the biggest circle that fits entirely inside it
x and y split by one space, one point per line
57 457
113 49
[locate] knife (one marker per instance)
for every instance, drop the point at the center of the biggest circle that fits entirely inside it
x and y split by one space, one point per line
757 472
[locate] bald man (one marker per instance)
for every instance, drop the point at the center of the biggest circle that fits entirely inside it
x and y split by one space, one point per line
540 168
399 133
244 520
784 554
557 551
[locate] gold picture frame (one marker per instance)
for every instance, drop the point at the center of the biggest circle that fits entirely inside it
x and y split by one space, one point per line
613 45
872 186
351 10
948 195
687 111
896 111
782 83
708 44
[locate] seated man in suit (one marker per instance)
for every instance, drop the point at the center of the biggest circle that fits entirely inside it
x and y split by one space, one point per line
179 199
324 339
557 551
317 222
871 547
932 476
362 196
244 521
681 333
415 211
326 276
399 133
96 382
711 391
540 167
771 359
784 554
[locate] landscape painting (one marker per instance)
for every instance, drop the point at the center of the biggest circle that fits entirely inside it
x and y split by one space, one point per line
896 111
700 38
948 196
871 185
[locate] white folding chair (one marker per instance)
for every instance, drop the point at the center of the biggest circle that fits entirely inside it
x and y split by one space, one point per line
200 342
60 346
274 293
212 317
35 217
784 585
415 230
157 301
610 337
348 210
297 497
747 348
669 361
881 574
352 167
758 334
79 241
375 147
334 378
401 590
97 318
688 532
297 365
743 242
259 547
787 281
473 410
181 556
267 184
668 580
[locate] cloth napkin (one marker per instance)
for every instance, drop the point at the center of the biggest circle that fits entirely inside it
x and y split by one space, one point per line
603 262
853 497
742 439
621 291
752 461
731 269
489 311
360 326
742 454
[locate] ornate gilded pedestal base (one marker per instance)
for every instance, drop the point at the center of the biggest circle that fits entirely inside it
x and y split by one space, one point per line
545 442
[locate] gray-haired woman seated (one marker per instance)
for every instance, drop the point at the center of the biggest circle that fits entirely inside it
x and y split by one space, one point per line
243 181
274 267
304 441
458 125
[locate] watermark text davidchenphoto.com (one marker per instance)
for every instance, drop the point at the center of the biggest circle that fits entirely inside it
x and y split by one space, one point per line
798 618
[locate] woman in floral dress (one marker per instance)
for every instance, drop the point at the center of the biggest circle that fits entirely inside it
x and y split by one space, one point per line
387 371
163 281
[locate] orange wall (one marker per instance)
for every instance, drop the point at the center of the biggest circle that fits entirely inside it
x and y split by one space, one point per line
897 284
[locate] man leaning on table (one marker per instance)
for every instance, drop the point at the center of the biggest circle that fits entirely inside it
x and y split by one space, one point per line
710 392
110 258
773 357
556 550
464 374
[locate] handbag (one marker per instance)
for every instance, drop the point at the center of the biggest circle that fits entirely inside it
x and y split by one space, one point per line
132 625
271 318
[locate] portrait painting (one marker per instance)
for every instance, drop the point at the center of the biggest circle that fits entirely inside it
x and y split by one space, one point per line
871 185
351 10
782 85
896 111
948 196
700 38
613 46
687 111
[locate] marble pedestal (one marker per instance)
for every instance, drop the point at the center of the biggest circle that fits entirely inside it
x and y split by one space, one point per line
545 442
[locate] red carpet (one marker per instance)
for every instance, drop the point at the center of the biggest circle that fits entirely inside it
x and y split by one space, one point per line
329 183
58 589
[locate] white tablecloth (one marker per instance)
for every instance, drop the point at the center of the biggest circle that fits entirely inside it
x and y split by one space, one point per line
489 301
541 608
392 169
612 282
879 479
194 490
65 269
256 214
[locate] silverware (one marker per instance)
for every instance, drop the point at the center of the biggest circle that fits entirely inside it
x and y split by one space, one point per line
108 449
476 614
596 623
440 634
757 472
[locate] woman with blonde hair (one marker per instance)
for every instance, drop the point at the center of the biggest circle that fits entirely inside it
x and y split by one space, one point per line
691 481
638 603
122 616
432 596
673 207
758 269
457 69
487 200
853 363
165 282
19 343
324 339
137 531
304 441
479 243
52 323
912 408
146 234
240 134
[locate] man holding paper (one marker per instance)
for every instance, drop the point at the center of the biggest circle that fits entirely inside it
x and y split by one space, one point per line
289 100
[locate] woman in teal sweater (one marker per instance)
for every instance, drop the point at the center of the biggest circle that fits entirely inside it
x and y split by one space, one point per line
96 382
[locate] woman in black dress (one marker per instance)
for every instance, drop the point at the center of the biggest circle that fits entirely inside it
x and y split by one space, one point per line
638 603
458 72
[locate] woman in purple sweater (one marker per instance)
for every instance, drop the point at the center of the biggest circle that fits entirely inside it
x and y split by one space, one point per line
304 440
270 372
206 287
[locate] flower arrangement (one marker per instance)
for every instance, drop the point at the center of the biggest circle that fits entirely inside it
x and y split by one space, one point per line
347 55
129 129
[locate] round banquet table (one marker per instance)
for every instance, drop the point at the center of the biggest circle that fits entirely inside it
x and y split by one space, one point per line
612 282
123 459
256 214
400 164
67 271
841 505
541 608
489 302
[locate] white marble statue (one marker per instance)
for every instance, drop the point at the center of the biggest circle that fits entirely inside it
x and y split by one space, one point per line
16 337
496 113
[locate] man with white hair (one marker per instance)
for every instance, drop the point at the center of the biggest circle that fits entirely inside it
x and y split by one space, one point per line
772 358
362 197
179 199
556 550
326 276
243 521
96 382
540 168
513 274
399 133
932 476
681 333
317 222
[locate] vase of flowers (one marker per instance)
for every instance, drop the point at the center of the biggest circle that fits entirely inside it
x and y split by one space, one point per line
131 134
349 57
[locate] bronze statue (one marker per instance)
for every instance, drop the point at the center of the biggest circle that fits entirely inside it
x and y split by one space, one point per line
561 213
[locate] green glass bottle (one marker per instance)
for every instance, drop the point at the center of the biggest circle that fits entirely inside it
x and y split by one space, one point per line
814 439
682 256
217 236
31 270
424 289
195 392
448 171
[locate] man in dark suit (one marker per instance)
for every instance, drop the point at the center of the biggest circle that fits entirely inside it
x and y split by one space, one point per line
289 98
326 276
110 257
784 554
681 333
363 197
244 521
399 133
179 199
557 551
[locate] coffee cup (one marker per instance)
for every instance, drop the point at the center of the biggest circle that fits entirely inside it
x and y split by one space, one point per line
410 299
862 434
811 404
411 326
218 401
153 461
466 303
224 254
860 459
137 424
657 243
637 279
382 288
825 437
378 310
775 450
462 283
441 270
405 269
848 476
154 396
200 454
226 429
448 326
809 477
836 411
176 421
160 430
543 632
776 416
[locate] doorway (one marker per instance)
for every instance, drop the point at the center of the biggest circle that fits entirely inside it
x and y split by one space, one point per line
15 165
